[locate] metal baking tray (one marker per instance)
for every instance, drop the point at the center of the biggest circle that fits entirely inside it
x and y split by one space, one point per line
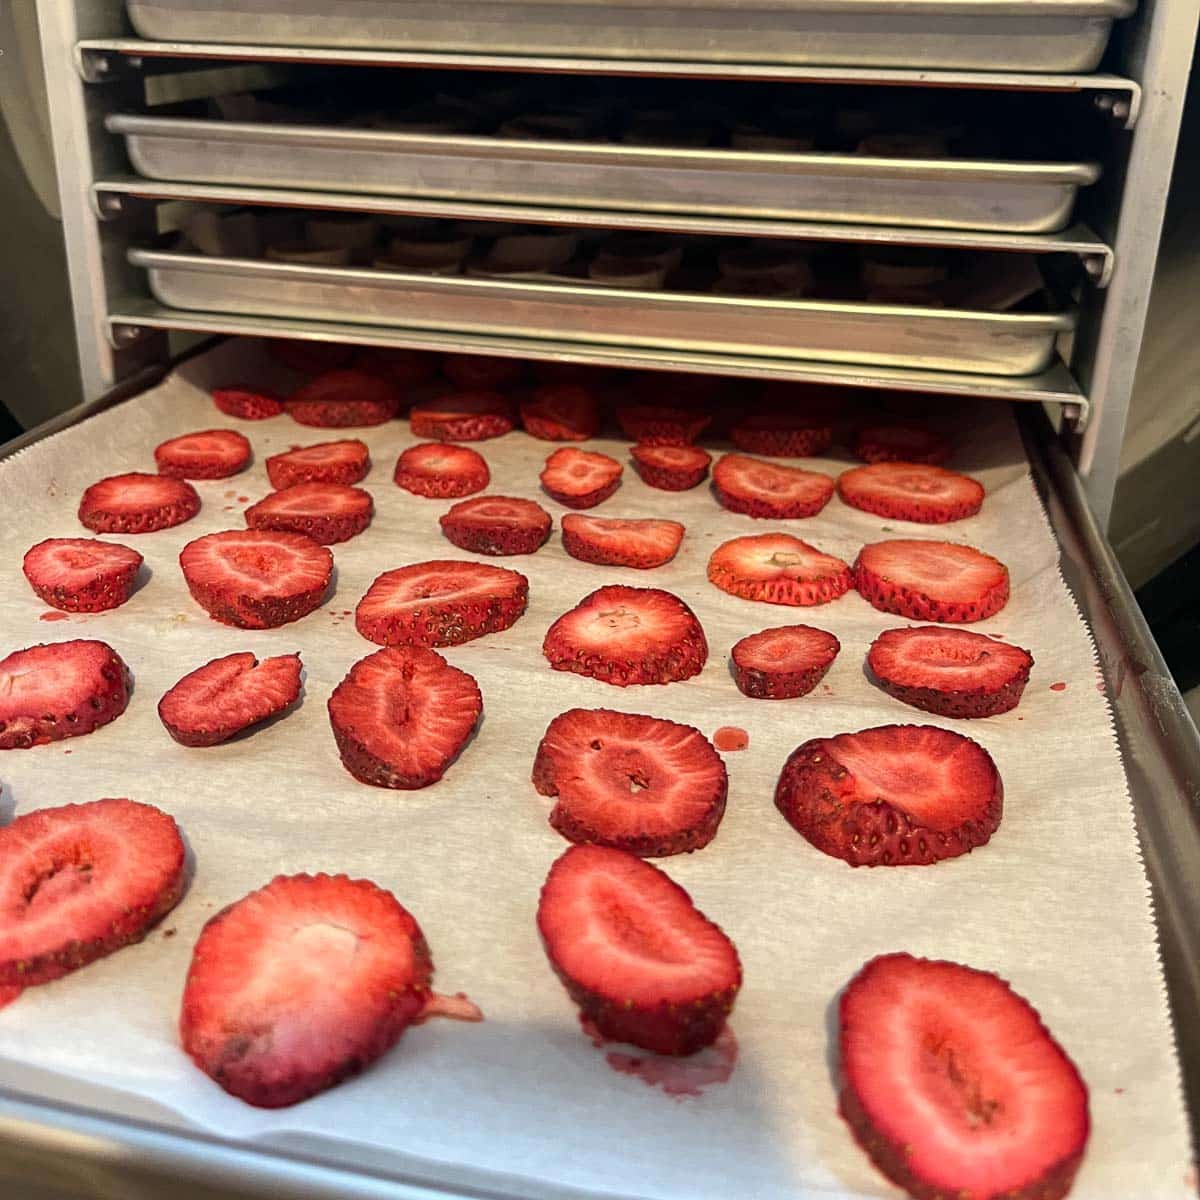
1019 197
1017 35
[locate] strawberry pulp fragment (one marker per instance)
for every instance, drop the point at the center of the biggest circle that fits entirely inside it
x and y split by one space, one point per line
564 412
138 503
901 443
474 372
911 492
580 478
342 398
462 417
497 525
640 544
346 462
209 454
671 468
777 568
247 404
81 574
662 424
326 512
783 663
931 581
759 489
441 471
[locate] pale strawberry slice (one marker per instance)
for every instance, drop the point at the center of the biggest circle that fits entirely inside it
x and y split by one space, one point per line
473 372
81 574
954 1087
784 434
783 663
209 454
671 468
563 412
462 417
247 403
951 672
662 424
635 783
759 489
893 796
440 603
911 492
642 962
256 578
901 443
310 358
628 635
138 503
931 581
301 985
441 471
405 368
640 544
346 461
228 695
80 881
777 568
580 478
402 715
497 525
326 512
346 397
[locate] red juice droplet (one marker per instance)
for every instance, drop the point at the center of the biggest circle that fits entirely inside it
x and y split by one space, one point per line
730 737
1058 687
243 499
680 1077
53 615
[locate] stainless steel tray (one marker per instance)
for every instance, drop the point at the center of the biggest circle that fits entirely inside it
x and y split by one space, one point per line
1022 197
890 335
1029 35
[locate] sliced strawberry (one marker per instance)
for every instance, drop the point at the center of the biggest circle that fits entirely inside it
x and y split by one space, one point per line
901 443
60 690
628 635
662 424
440 603
642 962
405 368
563 412
209 454
300 985
641 784
475 372
256 579
911 492
580 478
675 388
80 881
783 663
247 404
640 544
346 462
951 672
462 417
896 795
137 503
326 512
783 434
954 1087
81 574
441 471
338 399
671 468
497 525
222 698
402 715
310 358
931 581
778 569
759 489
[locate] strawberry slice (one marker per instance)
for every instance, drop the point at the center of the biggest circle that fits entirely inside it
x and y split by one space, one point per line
563 412
931 581
402 715
777 568
80 881
60 690
440 603
911 492
662 424
256 579
787 434
643 963
209 454
783 663
497 525
300 985
893 796
248 404
81 574
326 512
640 544
405 368
580 478
441 471
901 443
228 695
759 489
951 672
338 399
462 417
310 358
628 635
671 468
481 372
138 503
346 462
640 784
954 1087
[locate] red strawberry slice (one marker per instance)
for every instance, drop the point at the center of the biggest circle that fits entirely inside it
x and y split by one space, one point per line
564 412
759 489
901 443
777 568
300 985
675 388
662 424
405 368
60 690
951 672
256 578
954 1087
671 468
440 603
441 471
628 635
783 663
462 417
138 503
893 796
580 478
326 512
310 358
788 434
209 454
402 715
931 581
338 399
479 372
346 462
640 544
81 574
497 525
246 403
643 963
640 784
80 881
222 698
911 492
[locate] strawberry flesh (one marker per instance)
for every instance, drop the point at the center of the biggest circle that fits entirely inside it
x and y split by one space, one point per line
405 368
671 468
497 525
209 454
759 489
247 404
81 574
342 398
640 544
441 471
783 434
911 492
580 478
473 372
662 424
462 417
346 462
777 568
783 663
565 412
138 503
931 581
901 443
326 512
